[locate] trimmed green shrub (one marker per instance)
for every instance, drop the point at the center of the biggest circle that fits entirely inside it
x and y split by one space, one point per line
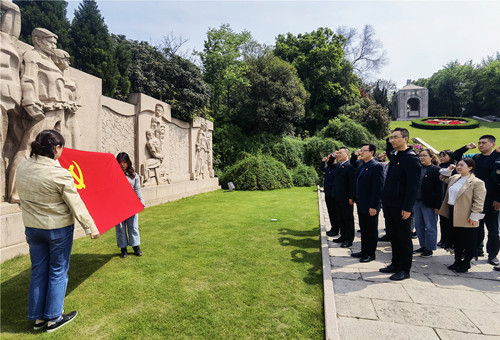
421 124
289 151
345 129
304 176
258 172
315 148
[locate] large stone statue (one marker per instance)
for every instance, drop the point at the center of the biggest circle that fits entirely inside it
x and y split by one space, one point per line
48 97
203 167
10 87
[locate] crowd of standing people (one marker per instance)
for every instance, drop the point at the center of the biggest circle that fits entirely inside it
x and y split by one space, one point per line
415 189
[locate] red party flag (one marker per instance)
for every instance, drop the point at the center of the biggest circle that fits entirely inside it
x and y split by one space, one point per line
103 187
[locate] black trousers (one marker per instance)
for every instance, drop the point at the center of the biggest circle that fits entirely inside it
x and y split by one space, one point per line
332 215
491 222
401 242
465 240
345 213
446 231
369 233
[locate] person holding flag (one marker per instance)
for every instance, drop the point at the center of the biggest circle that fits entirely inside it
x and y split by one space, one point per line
132 223
49 203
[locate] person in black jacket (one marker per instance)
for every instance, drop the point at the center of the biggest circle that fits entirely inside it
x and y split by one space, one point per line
446 241
427 204
343 187
369 182
485 171
398 198
328 166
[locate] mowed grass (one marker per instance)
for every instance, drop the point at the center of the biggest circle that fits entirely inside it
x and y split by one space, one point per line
214 267
451 139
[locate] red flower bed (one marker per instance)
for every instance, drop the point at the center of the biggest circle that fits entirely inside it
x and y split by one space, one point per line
442 121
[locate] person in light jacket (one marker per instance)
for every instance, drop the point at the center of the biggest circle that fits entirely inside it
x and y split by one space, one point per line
463 204
131 224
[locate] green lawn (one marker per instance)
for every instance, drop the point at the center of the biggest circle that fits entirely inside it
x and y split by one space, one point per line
451 139
214 267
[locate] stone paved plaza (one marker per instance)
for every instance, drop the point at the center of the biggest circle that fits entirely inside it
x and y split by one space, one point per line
435 303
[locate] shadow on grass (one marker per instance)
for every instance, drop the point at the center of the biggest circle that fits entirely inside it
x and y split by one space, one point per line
312 258
14 292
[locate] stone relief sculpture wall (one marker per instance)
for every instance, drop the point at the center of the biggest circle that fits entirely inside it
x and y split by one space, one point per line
39 90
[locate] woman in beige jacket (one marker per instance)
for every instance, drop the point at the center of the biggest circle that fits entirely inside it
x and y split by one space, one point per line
463 205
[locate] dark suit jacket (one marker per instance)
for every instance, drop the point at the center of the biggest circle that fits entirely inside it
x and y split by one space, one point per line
432 188
344 182
329 169
369 183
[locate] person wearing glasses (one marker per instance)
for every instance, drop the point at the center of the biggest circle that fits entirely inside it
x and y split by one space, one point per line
398 197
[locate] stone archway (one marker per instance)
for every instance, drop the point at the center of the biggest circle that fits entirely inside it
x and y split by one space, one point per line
413 107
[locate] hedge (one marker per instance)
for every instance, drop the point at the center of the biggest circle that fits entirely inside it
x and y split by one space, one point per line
421 124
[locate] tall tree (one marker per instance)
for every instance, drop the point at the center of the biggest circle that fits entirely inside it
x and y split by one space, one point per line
123 61
275 100
93 48
363 50
224 68
488 96
50 15
326 74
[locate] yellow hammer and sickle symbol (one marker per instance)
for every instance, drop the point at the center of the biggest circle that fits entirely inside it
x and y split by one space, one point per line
79 179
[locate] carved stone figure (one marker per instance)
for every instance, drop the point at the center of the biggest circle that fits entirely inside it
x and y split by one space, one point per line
10 87
202 153
151 167
46 93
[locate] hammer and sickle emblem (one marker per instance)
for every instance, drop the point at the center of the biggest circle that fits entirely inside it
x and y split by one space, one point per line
79 179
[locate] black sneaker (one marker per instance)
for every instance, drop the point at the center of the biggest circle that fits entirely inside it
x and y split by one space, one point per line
419 250
66 318
426 253
137 251
123 253
40 325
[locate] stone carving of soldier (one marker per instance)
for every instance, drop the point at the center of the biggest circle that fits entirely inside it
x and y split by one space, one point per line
10 86
43 100
202 147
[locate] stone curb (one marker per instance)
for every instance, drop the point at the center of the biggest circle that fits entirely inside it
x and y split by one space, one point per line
331 324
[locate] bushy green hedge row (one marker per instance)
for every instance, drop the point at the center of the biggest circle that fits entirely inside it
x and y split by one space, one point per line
421 124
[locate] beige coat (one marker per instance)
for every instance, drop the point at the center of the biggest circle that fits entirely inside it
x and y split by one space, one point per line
470 199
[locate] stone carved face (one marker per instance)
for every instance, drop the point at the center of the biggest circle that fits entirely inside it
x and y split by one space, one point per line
46 44
149 134
159 110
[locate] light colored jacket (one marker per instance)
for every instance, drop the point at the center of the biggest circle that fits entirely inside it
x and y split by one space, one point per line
469 203
48 196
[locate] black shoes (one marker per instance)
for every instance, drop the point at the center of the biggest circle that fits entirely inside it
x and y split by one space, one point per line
338 240
123 253
494 261
419 250
332 233
455 265
384 238
346 244
40 325
65 319
399 275
137 251
463 268
497 268
426 253
359 254
389 269
367 258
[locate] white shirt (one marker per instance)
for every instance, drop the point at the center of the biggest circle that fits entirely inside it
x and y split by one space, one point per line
455 188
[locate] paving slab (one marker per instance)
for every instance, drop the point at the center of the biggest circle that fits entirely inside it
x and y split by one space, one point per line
362 329
487 322
376 276
445 334
346 273
494 297
355 307
446 297
467 283
424 315
388 291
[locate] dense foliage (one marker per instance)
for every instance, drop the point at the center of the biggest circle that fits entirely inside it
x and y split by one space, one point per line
347 130
258 172
304 176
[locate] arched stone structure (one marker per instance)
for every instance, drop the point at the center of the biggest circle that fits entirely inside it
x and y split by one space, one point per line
411 102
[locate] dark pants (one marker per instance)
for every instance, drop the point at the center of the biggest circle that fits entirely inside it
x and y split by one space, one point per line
465 240
446 231
401 243
369 233
386 223
332 215
491 222
345 215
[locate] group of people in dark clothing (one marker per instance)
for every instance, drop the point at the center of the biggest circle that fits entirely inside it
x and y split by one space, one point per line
412 189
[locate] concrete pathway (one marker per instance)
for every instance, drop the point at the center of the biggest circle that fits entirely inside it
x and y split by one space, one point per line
435 303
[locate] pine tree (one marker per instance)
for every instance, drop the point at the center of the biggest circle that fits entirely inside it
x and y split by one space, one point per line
50 15
93 48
